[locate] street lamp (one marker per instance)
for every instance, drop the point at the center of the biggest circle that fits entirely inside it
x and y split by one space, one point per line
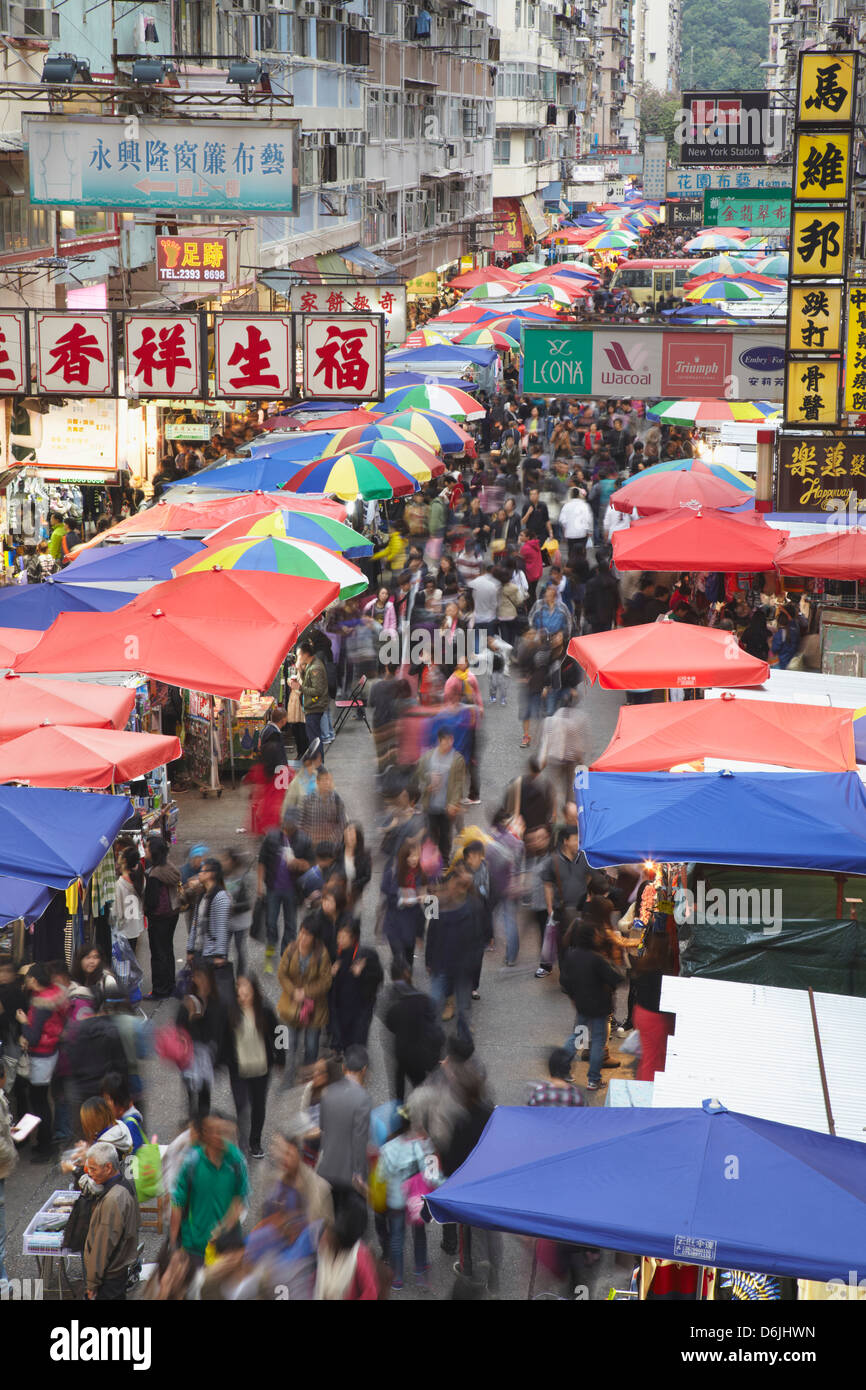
65 70
249 72
149 72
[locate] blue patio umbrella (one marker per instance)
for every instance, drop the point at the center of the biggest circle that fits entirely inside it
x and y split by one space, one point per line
395 379
138 560
263 471
52 837
21 898
37 605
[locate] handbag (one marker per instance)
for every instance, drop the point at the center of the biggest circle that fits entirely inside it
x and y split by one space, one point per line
305 1013
76 1228
257 924
514 823
418 1187
147 1172
377 1190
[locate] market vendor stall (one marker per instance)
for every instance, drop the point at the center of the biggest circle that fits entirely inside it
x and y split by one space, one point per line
655 656
53 837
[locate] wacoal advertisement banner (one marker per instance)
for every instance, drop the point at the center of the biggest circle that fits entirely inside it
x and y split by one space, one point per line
697 364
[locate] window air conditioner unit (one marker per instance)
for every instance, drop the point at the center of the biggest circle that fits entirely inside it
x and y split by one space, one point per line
355 21
33 22
327 12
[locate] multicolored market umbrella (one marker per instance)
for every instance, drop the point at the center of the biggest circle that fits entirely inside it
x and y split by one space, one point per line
346 440
272 555
714 291
718 470
612 241
713 241
526 267
295 525
663 492
489 290
444 400
424 337
356 475
544 289
489 337
713 412
728 263
484 275
431 429
777 264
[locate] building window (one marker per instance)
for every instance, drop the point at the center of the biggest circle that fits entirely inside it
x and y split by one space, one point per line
502 147
326 42
410 121
374 117
392 115
83 222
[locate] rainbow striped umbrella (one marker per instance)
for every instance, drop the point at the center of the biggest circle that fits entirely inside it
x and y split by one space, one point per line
756 243
718 470
714 290
713 241
424 337
274 556
348 476
611 241
489 337
728 263
412 457
543 289
526 267
297 525
708 412
491 289
444 400
358 437
436 431
777 264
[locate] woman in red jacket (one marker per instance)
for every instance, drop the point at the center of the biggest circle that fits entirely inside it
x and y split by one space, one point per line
41 1029
346 1270
530 554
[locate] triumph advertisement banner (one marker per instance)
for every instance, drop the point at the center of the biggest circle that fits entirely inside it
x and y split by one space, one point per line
652 363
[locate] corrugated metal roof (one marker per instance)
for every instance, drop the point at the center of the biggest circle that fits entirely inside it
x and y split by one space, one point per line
753 1048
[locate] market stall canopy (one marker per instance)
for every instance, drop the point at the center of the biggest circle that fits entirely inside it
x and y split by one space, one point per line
221 633
276 555
65 756
205 516
153 559
655 656
431 429
359 475
840 554
37 605
54 837
784 820
701 540
663 492
21 898
298 526
264 471
798 1207
26 703
340 420
655 738
14 641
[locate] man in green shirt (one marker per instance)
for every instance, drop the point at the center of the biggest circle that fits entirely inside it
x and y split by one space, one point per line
211 1189
55 543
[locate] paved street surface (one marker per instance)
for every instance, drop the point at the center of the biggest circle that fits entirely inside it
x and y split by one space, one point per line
516 1022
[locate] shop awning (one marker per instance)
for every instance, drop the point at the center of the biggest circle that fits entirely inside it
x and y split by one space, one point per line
656 738
221 632
26 703
54 837
64 756
369 261
798 1207
785 820
656 656
535 214
698 541
840 554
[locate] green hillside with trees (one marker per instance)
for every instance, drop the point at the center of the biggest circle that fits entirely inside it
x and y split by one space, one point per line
723 44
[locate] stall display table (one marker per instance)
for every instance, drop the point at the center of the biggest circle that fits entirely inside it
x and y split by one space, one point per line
47 1248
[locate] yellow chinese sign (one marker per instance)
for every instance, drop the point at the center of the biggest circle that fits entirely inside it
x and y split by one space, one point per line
423 285
821 472
826 89
815 318
812 393
818 243
823 166
855 351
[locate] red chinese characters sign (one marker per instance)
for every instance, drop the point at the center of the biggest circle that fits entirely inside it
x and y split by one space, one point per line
13 353
163 354
253 356
343 356
74 354
191 258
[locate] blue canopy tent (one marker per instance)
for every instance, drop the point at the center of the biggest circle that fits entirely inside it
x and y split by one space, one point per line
302 446
21 898
37 605
263 471
52 837
454 355
798 1206
393 380
154 559
784 820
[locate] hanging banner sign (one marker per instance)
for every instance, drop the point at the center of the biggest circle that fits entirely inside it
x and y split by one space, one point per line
693 182
815 318
822 166
195 166
254 356
74 354
162 354
655 164
820 472
818 243
344 356
855 351
812 395
389 300
14 354
196 259
826 87
747 208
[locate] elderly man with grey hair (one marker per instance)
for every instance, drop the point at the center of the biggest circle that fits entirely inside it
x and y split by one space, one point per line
111 1247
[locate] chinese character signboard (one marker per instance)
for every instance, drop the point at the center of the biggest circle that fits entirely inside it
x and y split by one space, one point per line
192 258
389 300
818 243
14 342
253 356
510 232
692 183
75 354
198 166
424 286
344 356
822 166
725 128
655 164
767 209
815 318
819 472
684 213
162 354
855 351
812 392
80 440
826 88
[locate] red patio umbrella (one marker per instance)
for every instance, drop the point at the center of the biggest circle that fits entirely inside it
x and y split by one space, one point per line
169 518
838 554
220 632
13 641
698 541
26 703
489 274
655 656
655 738
466 313
61 755
341 420
662 492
